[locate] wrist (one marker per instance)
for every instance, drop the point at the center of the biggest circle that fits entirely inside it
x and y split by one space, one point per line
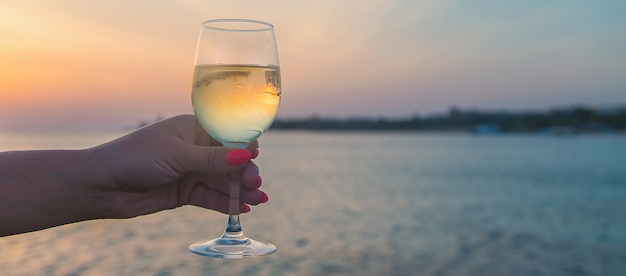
42 189
96 180
80 191
99 182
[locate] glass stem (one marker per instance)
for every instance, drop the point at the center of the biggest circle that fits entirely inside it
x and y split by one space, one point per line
234 226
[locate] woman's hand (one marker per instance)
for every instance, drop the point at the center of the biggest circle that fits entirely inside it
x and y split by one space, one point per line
162 166
172 163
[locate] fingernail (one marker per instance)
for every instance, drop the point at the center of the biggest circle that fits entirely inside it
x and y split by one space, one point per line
246 209
255 154
259 181
265 197
238 157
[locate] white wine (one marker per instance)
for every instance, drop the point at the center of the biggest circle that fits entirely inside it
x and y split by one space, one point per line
236 103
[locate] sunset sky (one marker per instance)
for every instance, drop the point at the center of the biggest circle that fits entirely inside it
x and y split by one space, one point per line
73 64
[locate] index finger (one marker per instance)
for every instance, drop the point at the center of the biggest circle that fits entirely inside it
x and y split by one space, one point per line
253 148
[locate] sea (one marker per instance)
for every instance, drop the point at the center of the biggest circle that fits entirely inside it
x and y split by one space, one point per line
373 203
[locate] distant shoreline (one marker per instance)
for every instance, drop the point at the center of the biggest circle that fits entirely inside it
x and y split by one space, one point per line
562 121
557 121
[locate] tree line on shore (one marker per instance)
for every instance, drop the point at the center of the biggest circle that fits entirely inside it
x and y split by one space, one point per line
577 119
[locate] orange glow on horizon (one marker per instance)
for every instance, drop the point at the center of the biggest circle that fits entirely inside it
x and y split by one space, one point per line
95 58
53 64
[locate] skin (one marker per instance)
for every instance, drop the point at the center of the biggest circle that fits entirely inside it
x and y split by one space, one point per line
161 166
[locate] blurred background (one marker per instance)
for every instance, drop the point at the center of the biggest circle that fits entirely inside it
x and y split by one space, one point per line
102 64
502 151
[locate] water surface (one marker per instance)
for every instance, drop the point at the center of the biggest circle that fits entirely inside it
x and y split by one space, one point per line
375 204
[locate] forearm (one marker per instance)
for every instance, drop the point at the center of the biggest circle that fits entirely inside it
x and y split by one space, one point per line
42 189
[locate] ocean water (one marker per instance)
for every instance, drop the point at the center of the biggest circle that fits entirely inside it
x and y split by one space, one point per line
374 204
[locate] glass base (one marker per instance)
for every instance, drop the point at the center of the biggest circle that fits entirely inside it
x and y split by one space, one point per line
229 247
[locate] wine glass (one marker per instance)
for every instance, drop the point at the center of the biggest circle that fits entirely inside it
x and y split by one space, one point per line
235 95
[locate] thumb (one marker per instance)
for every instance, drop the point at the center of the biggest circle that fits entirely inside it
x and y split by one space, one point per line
215 159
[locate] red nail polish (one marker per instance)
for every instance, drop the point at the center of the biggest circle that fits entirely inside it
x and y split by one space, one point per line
265 197
246 209
238 157
259 181
255 154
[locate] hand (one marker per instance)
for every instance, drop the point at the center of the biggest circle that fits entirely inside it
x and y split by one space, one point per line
161 166
172 163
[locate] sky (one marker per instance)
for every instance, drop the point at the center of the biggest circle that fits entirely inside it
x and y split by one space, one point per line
79 65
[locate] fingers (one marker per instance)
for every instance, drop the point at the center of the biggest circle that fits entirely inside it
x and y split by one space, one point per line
250 177
211 199
202 196
211 191
189 186
253 148
192 158
212 159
